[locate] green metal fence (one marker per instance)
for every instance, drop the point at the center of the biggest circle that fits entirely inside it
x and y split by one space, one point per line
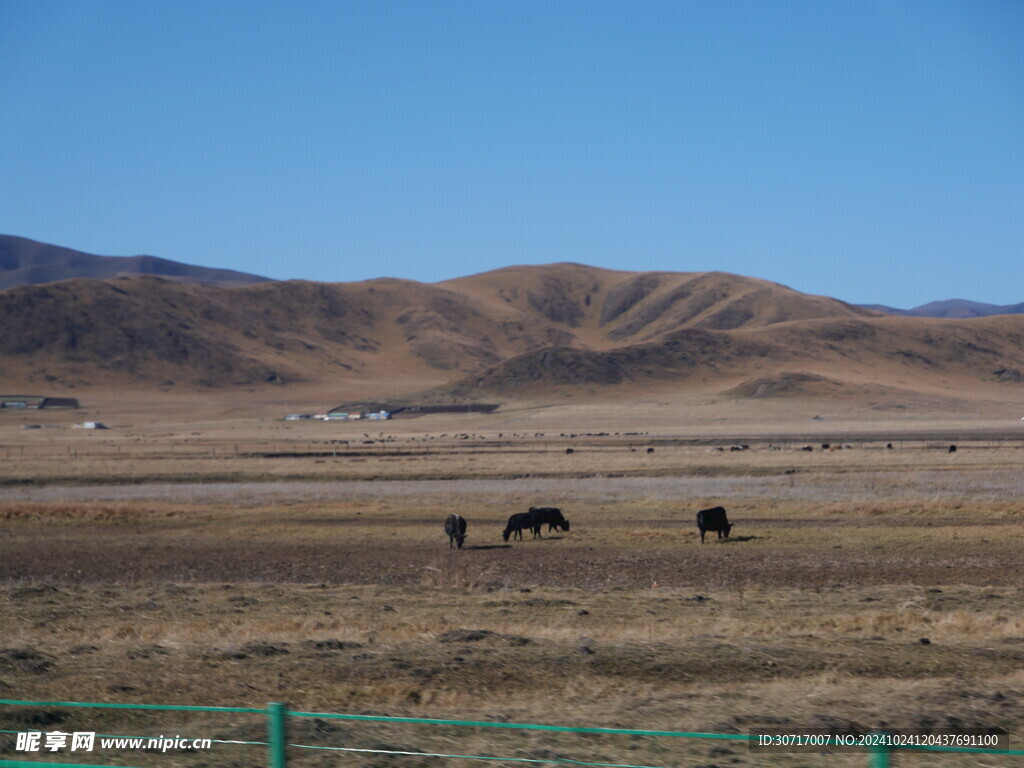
277 716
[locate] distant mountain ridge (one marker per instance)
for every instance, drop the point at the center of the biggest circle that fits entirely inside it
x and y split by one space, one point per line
533 332
28 262
952 308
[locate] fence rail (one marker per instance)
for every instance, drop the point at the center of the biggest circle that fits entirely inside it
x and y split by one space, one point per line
277 715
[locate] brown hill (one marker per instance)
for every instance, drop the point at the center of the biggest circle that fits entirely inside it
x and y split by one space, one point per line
604 308
521 331
27 262
150 330
818 357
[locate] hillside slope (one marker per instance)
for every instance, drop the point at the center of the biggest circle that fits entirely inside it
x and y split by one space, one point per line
607 308
821 356
148 330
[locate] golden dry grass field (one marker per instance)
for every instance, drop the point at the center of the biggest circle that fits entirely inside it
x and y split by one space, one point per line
207 552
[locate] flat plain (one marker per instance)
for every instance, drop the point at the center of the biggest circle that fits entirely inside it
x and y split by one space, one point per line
202 554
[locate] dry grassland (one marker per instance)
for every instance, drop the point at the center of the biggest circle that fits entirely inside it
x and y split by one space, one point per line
862 588
276 450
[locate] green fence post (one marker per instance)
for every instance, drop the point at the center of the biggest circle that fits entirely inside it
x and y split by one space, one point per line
275 734
879 756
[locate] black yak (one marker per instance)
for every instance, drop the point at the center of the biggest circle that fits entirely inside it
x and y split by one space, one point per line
517 523
713 519
550 515
455 527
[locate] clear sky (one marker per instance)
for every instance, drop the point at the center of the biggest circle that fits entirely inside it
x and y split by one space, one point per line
871 151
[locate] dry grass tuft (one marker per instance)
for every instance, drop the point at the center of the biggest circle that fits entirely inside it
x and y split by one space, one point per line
455 571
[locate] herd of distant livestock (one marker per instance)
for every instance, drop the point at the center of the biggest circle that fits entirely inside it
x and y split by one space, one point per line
713 519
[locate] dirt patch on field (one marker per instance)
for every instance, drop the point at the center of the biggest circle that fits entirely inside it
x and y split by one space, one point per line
91 555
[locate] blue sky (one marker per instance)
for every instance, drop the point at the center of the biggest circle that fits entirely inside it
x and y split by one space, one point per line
870 151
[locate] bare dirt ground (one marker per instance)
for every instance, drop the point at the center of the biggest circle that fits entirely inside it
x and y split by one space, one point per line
863 587
393 539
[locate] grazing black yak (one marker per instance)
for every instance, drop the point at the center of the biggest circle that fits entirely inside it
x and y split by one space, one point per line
550 515
713 519
517 523
455 527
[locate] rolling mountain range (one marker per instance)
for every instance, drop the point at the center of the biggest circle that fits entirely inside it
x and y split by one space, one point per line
152 328
27 262
525 331
955 308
